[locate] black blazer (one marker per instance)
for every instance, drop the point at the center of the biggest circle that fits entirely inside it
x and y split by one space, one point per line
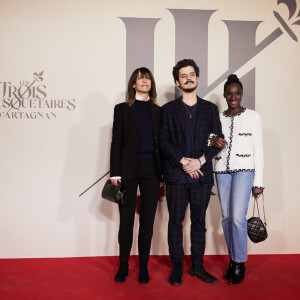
173 142
124 154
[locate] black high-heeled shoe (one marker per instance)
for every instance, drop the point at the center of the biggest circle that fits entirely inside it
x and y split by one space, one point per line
122 272
144 277
229 270
238 273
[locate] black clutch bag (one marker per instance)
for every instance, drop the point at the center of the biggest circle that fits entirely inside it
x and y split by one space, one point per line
257 230
114 193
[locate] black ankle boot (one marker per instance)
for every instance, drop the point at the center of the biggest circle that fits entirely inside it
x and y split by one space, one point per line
122 272
238 273
144 275
200 272
176 275
229 271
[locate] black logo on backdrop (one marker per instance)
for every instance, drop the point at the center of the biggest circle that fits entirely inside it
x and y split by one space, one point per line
28 100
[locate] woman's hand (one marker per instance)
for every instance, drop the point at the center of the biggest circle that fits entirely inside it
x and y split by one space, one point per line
218 142
115 181
256 192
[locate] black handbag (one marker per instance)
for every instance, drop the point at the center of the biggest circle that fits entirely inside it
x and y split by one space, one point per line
114 193
257 230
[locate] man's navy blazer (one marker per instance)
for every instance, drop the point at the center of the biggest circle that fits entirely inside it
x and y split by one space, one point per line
173 140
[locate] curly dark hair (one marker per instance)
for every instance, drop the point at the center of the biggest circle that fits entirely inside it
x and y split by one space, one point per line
182 64
232 79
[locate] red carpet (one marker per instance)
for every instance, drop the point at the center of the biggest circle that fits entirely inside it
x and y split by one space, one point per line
267 277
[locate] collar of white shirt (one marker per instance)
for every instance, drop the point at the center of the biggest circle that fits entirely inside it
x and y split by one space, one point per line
138 97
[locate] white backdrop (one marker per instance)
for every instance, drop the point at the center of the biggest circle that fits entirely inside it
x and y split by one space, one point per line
58 144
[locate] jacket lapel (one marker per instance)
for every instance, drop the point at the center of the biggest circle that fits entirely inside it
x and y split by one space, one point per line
199 116
133 114
179 113
154 118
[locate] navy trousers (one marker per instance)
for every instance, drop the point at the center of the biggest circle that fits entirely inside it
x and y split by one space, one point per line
178 197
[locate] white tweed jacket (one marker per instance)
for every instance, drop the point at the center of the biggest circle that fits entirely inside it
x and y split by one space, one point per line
244 151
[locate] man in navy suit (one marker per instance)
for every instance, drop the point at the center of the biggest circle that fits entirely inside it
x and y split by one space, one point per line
186 123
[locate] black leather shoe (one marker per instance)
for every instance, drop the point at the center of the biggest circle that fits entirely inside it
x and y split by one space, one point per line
228 274
144 275
199 271
122 272
238 273
176 275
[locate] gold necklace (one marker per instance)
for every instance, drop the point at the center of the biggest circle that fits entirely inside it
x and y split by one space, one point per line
186 106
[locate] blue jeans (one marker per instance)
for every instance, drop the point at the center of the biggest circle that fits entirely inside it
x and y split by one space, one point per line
234 191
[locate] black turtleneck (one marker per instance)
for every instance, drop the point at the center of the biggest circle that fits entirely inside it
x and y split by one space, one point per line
145 129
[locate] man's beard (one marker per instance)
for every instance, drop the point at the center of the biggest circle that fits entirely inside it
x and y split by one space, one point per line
188 90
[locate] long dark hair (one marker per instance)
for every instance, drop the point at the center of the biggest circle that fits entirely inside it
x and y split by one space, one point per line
130 95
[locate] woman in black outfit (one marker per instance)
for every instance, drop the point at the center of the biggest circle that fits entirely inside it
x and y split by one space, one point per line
136 161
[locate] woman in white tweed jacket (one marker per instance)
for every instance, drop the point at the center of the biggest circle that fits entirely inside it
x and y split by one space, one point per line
239 170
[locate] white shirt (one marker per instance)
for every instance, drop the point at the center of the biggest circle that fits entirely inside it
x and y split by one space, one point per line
138 97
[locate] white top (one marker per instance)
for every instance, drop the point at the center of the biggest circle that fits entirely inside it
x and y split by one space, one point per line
138 97
244 152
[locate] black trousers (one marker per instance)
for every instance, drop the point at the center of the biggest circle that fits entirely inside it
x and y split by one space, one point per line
148 182
178 197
